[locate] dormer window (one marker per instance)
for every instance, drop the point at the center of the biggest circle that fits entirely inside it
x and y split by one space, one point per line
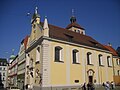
69 37
82 32
78 31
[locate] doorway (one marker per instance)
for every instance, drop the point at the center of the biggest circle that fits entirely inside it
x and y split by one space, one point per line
91 79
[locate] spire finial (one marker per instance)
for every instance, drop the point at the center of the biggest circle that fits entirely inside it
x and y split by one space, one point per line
36 10
45 26
73 18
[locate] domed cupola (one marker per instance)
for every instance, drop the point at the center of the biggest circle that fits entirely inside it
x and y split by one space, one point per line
12 57
73 26
73 19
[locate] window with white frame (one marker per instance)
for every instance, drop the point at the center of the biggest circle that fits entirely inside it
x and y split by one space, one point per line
38 54
109 61
75 55
89 58
117 61
58 54
100 57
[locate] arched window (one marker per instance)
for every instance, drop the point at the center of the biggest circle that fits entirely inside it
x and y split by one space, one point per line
100 60
89 58
109 61
58 54
75 54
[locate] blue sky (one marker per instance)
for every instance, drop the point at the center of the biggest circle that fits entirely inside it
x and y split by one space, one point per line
100 18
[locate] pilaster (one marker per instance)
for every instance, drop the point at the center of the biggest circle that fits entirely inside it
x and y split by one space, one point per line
67 65
45 63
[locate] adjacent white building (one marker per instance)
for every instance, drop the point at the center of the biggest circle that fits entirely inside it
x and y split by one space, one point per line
3 71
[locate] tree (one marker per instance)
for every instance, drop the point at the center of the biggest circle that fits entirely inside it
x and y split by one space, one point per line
118 51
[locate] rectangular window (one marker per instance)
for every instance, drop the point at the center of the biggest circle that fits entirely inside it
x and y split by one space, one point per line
118 72
75 54
74 57
89 58
100 60
109 61
117 61
58 54
3 74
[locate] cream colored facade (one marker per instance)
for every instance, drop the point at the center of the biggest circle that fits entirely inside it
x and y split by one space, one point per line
116 69
44 72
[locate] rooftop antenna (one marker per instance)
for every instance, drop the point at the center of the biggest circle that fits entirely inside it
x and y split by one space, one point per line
36 10
13 51
72 12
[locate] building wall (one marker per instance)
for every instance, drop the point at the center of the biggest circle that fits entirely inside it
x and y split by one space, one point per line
13 67
65 73
116 65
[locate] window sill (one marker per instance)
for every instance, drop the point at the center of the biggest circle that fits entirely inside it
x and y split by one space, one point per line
60 61
76 63
110 66
90 64
101 65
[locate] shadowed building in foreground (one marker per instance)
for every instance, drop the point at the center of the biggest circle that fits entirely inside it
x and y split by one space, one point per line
3 72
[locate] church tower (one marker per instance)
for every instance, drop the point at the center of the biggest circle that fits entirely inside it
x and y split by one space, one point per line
35 17
36 27
73 26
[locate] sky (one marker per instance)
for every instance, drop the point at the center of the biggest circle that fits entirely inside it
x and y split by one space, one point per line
100 18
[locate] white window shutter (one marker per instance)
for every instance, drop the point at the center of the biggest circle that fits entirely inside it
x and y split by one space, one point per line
27 59
90 58
38 54
101 61
77 57
61 55
110 62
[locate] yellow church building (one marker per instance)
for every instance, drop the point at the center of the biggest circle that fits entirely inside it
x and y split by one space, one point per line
64 58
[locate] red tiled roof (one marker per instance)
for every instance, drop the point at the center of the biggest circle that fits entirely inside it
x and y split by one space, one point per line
111 49
70 36
74 24
25 41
